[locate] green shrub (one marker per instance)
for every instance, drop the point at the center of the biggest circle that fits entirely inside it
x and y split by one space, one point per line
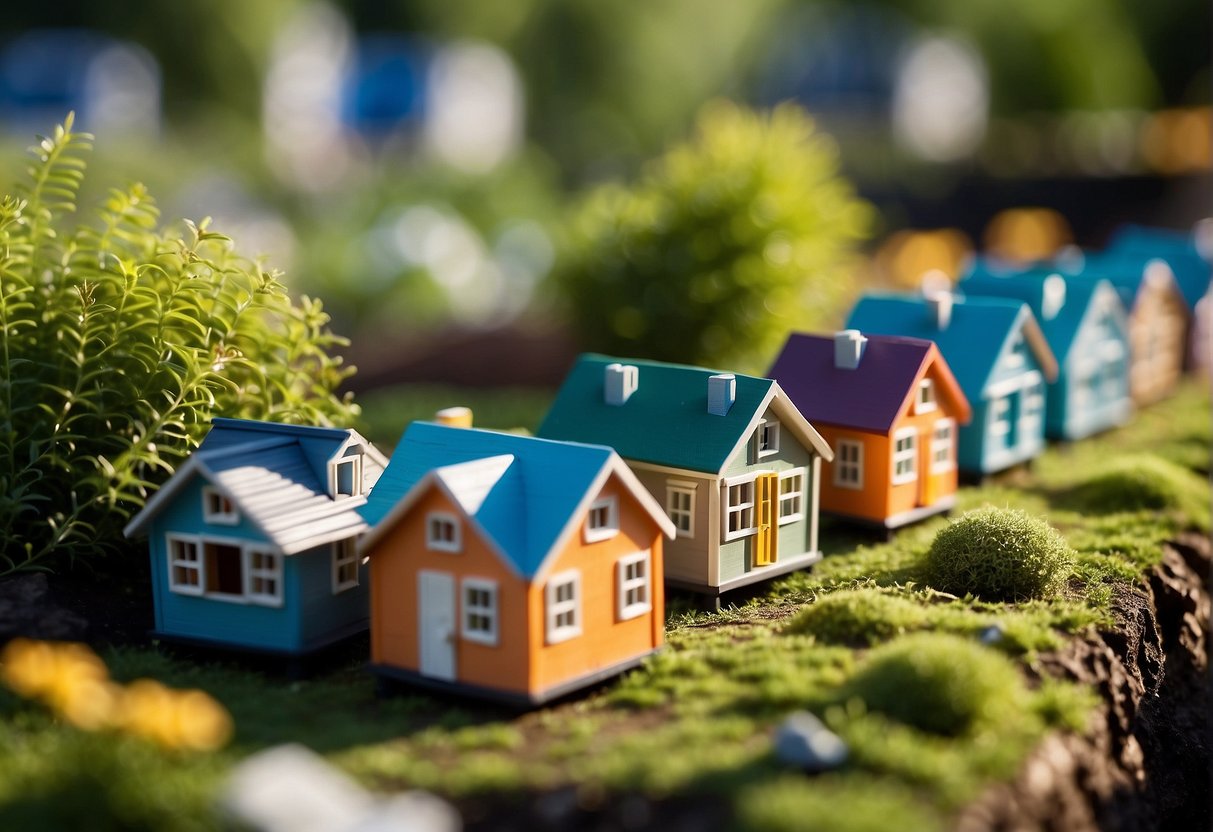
939 683
858 616
999 555
726 243
118 343
1142 482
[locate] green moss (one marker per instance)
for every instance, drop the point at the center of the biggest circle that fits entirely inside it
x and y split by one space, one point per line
999 554
793 803
858 616
938 683
1143 482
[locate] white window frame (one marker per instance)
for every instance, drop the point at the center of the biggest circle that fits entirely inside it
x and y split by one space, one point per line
943 449
1000 416
437 544
1032 406
909 454
843 465
641 585
488 611
728 508
1015 356
676 513
197 565
796 497
596 534
345 554
766 438
925 401
355 463
213 511
555 609
273 572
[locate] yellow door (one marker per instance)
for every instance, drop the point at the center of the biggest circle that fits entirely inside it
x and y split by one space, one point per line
766 504
926 479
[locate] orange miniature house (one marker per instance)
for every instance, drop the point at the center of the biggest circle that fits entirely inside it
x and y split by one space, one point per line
509 567
890 408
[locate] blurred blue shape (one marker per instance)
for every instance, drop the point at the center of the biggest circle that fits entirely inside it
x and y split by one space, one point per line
385 90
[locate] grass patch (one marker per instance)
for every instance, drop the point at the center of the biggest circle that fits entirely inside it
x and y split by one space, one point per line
834 804
1140 482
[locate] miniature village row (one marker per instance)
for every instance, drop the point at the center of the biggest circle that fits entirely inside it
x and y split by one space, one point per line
520 568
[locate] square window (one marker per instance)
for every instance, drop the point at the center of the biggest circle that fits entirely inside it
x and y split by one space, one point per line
264 576
347 477
680 506
602 520
848 464
943 445
185 566
766 438
480 610
905 456
791 496
442 532
739 516
218 508
563 596
632 580
345 565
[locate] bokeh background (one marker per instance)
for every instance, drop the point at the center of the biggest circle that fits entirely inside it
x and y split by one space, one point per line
428 167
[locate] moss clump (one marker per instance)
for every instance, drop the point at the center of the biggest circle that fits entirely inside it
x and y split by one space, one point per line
939 683
840 805
1142 482
999 555
858 616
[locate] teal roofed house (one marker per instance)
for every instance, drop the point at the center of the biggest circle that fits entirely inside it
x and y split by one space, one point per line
1087 328
253 539
997 353
734 463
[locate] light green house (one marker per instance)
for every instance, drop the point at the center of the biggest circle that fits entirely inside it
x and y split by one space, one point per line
731 459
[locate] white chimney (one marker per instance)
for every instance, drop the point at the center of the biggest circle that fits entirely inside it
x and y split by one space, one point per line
939 305
722 392
849 345
1054 296
620 382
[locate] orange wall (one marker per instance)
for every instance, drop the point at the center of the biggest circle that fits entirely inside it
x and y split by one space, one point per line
520 661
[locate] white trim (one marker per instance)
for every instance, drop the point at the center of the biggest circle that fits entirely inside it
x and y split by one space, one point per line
610 520
640 585
218 508
796 497
355 464
843 465
488 611
686 489
946 444
927 403
728 509
437 542
769 427
195 565
1010 385
269 574
345 554
568 609
905 455
999 422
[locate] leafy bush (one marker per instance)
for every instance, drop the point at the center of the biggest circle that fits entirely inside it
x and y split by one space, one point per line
725 244
1143 483
118 344
999 555
939 683
858 616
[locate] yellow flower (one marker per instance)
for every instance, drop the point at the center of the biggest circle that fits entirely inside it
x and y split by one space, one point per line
202 723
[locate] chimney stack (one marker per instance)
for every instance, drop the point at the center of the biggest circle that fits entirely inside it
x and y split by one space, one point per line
939 305
1054 296
849 345
454 417
722 392
620 382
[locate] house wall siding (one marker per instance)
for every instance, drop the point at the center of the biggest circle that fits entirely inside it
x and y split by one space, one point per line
685 556
324 614
1157 342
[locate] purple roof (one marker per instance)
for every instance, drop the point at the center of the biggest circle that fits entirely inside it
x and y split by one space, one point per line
868 397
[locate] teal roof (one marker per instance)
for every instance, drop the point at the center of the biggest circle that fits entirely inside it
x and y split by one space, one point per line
1028 285
521 490
1178 248
664 422
972 342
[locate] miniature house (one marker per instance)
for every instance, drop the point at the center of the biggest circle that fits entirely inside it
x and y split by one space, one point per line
733 461
510 567
997 353
890 408
1158 317
1086 326
253 539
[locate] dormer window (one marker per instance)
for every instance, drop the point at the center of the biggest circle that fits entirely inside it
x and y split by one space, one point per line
926 396
347 477
218 508
766 438
602 521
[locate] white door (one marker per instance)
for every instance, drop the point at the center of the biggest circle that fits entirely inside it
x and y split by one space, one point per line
436 624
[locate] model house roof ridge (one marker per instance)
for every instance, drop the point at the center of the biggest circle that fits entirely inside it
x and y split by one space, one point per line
471 482
280 428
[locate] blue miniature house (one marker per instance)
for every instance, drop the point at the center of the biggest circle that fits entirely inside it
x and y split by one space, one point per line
253 540
1087 328
998 354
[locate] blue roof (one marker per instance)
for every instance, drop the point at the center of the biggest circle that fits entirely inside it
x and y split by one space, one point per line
1125 270
971 343
1029 285
521 490
1191 270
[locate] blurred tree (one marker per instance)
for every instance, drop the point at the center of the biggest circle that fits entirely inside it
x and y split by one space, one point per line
724 244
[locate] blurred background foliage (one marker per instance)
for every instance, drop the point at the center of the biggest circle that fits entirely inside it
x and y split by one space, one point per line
423 166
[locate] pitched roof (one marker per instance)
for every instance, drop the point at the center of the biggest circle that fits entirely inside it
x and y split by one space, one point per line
270 472
973 340
666 420
1032 285
523 492
1126 270
869 397
1192 272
